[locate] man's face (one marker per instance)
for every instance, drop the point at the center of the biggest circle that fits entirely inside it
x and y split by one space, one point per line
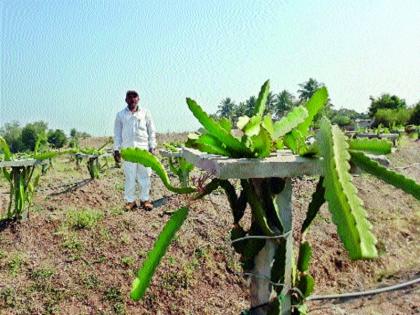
132 101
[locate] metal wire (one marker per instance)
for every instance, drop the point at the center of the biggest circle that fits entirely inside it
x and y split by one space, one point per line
258 276
263 237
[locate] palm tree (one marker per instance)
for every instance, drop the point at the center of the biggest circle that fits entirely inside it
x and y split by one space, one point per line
250 106
308 88
270 104
283 103
226 108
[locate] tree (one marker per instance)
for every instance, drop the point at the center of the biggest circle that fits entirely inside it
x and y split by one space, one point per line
57 138
12 133
341 120
284 102
77 134
391 117
30 133
415 116
352 114
270 104
226 108
308 88
344 116
385 101
250 105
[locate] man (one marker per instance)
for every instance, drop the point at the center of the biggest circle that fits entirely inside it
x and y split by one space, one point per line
134 128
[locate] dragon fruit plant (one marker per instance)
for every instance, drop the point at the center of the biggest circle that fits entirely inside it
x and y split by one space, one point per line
260 137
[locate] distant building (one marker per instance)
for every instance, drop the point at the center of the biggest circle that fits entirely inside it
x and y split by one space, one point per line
363 123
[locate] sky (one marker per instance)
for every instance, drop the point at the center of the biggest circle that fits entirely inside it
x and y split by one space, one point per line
70 63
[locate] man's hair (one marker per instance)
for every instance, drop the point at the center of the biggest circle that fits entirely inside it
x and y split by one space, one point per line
131 93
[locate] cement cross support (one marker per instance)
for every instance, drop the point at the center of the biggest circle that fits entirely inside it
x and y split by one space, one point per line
281 164
170 154
92 162
261 288
22 163
20 177
92 156
284 165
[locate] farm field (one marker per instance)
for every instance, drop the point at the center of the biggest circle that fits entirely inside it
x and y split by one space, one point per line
79 251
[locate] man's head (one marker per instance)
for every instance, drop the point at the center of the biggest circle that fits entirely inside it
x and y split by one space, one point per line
132 99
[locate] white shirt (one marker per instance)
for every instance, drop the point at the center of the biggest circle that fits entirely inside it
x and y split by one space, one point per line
134 129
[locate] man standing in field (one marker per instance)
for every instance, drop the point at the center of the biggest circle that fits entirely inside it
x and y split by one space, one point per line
134 128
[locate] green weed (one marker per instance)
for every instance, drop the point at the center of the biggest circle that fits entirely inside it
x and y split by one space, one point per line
83 219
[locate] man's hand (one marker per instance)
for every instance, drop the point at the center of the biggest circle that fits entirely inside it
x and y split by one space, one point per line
153 151
117 156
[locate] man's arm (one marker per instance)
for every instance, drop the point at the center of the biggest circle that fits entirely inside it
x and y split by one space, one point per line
117 138
151 131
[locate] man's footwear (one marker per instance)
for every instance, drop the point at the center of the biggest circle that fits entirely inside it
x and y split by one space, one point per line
130 206
147 205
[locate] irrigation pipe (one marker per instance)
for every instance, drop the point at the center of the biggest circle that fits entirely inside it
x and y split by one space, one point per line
364 293
344 295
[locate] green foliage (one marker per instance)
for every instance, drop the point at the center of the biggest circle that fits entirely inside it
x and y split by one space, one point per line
315 104
259 136
15 263
253 126
258 212
261 143
306 285
284 102
226 108
232 144
305 254
31 132
237 204
415 115
31 136
22 184
23 180
93 168
392 117
73 132
114 296
12 134
179 166
262 99
308 88
206 143
344 204
93 155
83 219
316 202
77 134
145 274
374 146
341 120
4 147
388 176
290 121
276 105
57 138
385 101
147 159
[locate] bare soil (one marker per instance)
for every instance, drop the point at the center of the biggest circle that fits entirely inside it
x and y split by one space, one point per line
50 265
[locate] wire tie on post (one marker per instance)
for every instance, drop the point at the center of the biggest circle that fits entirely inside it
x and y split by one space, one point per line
262 237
